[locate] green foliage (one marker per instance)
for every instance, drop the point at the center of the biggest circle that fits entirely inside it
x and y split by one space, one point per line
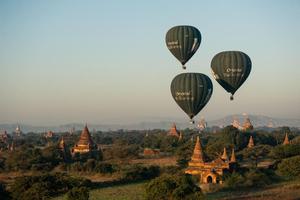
23 158
256 178
121 151
52 154
44 186
27 157
234 180
290 167
229 137
169 143
184 153
138 172
174 187
249 179
92 165
104 168
285 151
256 153
78 193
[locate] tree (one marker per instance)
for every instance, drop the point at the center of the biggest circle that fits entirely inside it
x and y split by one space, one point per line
256 153
285 151
184 153
174 187
290 167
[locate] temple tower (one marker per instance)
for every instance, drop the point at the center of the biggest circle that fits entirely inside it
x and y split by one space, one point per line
251 142
247 124
18 131
232 158
173 131
198 154
224 155
286 140
85 143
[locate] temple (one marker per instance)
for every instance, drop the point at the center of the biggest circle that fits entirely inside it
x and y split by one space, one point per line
49 134
85 143
202 124
4 136
247 126
235 123
286 140
210 172
180 136
251 142
18 132
62 144
173 131
65 153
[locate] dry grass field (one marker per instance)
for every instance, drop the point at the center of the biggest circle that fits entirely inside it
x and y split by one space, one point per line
280 191
164 161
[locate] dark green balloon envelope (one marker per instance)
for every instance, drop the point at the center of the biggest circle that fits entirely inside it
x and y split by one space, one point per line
183 42
231 69
191 91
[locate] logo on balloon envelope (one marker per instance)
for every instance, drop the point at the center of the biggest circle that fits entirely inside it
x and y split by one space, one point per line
174 45
232 72
184 96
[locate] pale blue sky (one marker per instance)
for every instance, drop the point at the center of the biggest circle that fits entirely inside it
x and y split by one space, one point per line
106 61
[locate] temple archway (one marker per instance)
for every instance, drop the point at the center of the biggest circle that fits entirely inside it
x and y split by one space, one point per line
209 179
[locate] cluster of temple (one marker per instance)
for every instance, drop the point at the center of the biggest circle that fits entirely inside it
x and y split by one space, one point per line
247 125
210 172
84 147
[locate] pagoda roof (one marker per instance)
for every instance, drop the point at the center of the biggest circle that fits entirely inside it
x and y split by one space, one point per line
85 137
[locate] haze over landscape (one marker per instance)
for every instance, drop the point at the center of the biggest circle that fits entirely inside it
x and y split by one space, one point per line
107 62
150 100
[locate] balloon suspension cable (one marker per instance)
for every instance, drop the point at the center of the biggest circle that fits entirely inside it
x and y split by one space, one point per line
231 97
183 67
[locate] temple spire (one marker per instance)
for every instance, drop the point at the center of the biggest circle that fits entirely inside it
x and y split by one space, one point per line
198 154
286 139
62 144
251 142
180 136
224 155
232 158
173 131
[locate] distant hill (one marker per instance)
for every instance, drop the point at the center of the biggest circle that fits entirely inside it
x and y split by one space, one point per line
256 120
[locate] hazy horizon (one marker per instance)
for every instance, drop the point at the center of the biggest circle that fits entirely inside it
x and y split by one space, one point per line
97 61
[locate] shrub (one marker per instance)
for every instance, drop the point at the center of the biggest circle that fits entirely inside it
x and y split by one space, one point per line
176 187
138 172
234 181
78 193
104 168
44 186
256 178
285 151
290 167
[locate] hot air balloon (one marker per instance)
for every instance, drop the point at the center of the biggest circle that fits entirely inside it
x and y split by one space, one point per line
183 42
231 69
191 91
